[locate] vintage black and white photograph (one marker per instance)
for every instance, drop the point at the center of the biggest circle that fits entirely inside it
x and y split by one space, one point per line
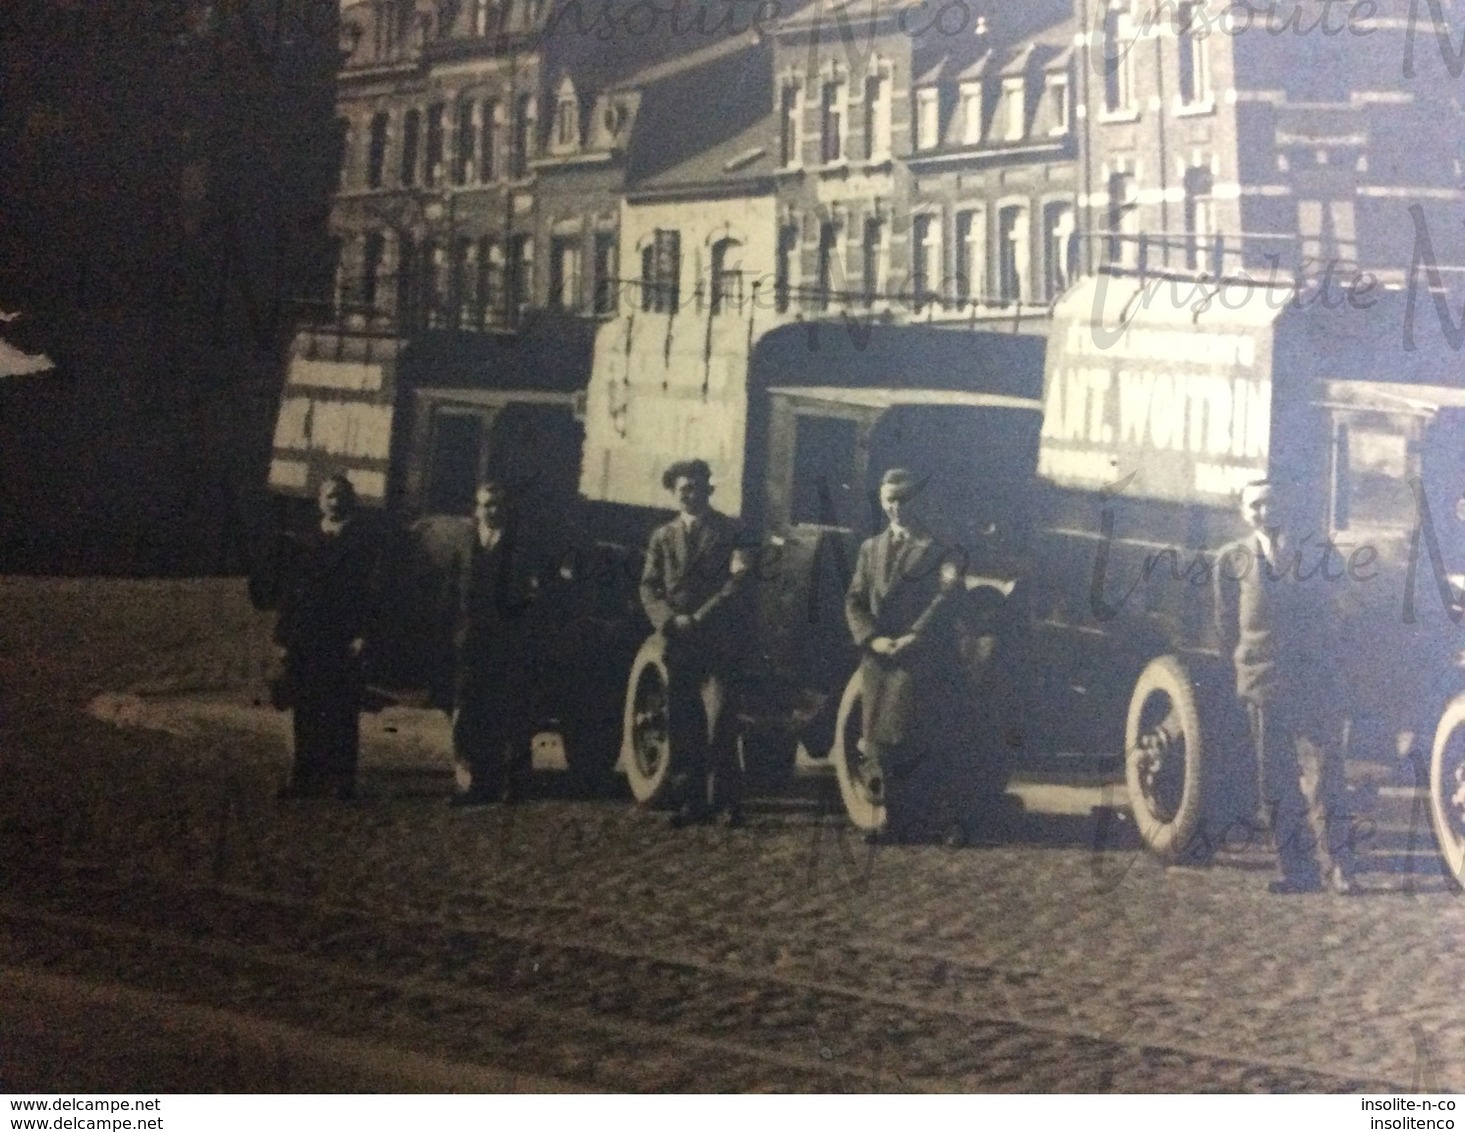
732 546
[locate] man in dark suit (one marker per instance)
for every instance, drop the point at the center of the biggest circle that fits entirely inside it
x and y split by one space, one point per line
895 607
324 616
493 676
1277 623
690 585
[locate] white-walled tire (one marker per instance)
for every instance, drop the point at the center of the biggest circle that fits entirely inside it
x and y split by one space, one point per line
1447 787
859 789
1166 749
646 750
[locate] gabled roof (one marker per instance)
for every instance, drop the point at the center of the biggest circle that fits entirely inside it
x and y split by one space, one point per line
738 160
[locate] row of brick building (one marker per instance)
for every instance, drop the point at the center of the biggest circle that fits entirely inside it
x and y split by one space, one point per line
686 179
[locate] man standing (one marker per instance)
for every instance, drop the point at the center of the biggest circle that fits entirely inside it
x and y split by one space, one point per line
1280 630
491 639
895 610
689 586
325 612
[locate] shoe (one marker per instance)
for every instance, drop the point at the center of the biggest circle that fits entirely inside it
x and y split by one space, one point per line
733 818
1294 886
1341 883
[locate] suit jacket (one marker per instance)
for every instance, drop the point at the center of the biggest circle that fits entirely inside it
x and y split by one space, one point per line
328 598
693 573
898 591
495 595
327 602
1278 625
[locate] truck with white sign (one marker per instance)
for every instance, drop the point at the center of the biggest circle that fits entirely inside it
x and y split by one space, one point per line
1162 399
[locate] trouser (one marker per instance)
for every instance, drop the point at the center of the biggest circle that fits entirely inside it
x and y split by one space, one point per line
1300 774
489 743
707 772
327 735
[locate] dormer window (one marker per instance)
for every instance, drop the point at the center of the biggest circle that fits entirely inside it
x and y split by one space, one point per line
1058 108
566 117
615 119
1014 109
928 118
971 114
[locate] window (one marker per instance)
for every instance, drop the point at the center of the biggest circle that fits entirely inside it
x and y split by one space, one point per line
490 278
661 272
521 273
1012 252
877 117
1372 467
606 269
1123 220
790 109
564 272
1014 109
372 251
1059 248
434 175
826 483
463 146
434 281
1118 66
1328 235
1058 109
831 121
410 128
971 253
567 118
488 134
924 260
522 149
460 282
872 248
788 250
376 153
971 114
827 264
928 118
727 276
1200 217
1195 77
481 12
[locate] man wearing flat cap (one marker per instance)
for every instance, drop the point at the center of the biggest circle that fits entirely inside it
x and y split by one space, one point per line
895 607
690 587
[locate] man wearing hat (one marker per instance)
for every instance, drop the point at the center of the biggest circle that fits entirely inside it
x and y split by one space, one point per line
689 588
895 610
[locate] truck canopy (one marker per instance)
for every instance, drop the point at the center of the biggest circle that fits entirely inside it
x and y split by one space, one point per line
347 397
1182 385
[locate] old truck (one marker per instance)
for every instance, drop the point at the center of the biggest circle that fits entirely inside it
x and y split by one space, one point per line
1088 483
1083 483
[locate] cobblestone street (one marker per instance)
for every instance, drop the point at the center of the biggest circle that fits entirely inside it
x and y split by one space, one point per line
581 943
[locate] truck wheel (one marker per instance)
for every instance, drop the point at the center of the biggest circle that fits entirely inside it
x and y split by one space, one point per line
646 737
1447 787
861 791
1167 749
